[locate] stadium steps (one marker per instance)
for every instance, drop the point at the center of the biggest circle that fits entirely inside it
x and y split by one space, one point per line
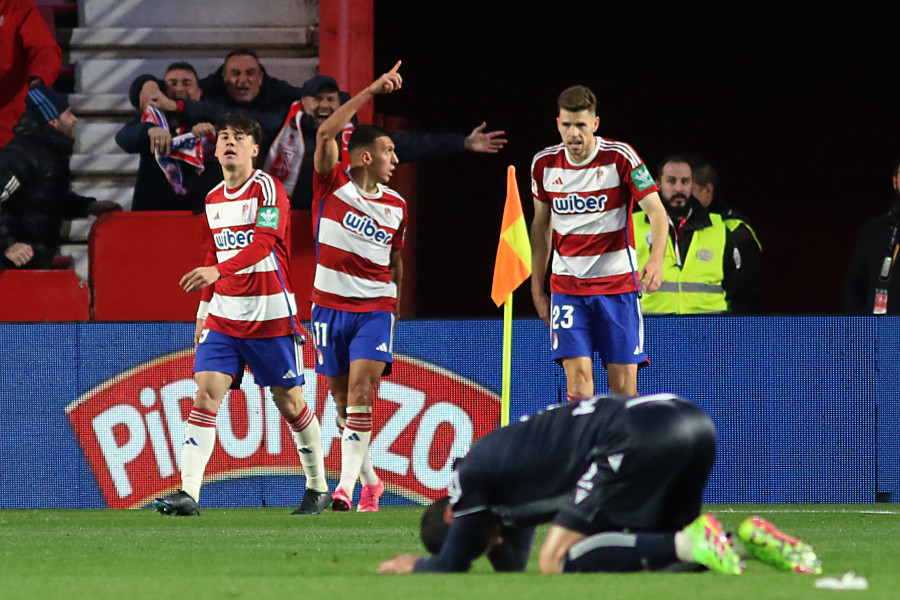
120 42
113 76
114 41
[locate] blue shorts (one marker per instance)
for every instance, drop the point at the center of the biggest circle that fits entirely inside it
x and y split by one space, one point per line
612 325
274 362
342 337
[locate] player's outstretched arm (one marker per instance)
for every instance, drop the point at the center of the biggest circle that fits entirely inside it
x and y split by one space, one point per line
651 273
490 142
327 151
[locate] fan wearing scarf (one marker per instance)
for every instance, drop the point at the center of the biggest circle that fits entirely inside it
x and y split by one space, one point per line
174 172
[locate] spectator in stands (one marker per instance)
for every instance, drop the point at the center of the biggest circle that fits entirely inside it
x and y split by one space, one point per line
29 56
290 156
35 196
709 266
179 178
241 85
870 286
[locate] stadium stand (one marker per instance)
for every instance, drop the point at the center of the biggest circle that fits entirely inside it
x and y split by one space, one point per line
113 43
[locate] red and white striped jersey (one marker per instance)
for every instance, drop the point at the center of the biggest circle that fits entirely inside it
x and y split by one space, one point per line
591 205
355 234
249 233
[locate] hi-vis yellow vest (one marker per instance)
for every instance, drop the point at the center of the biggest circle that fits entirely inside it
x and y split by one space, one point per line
697 286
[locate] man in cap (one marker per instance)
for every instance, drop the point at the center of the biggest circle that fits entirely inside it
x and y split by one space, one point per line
35 196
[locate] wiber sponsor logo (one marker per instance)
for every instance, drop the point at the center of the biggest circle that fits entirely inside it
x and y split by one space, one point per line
131 428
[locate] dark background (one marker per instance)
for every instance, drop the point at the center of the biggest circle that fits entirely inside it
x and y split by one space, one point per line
796 107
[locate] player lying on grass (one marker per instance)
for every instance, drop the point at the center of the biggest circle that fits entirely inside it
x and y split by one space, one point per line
620 479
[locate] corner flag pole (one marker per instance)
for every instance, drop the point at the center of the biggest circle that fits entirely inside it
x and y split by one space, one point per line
506 377
512 267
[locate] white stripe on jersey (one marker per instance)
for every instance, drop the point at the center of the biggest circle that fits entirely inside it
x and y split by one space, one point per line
267 186
340 284
265 265
231 214
590 267
590 223
546 151
253 308
652 398
385 215
581 181
338 237
622 148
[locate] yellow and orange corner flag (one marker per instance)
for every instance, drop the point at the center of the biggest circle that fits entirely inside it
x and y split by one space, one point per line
511 269
513 264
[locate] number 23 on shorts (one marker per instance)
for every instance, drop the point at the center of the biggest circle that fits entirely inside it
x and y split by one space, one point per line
562 316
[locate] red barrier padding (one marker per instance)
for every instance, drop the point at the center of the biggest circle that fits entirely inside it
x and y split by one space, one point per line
37 295
138 258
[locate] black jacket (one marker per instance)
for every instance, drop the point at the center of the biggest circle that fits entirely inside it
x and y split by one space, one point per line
152 191
863 276
34 167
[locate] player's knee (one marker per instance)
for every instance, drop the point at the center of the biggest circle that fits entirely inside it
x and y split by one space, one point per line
207 400
549 560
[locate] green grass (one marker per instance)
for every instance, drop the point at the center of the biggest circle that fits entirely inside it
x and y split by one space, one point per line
266 553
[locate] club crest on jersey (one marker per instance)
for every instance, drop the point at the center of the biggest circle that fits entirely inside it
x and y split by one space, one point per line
245 211
227 239
642 178
365 227
267 217
573 203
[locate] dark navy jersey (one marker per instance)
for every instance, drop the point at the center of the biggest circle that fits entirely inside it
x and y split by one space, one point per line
603 462
523 472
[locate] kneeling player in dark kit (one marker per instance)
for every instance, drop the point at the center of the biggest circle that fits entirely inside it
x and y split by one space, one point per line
620 479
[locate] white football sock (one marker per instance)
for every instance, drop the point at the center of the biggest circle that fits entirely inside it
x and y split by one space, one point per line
308 440
354 445
199 441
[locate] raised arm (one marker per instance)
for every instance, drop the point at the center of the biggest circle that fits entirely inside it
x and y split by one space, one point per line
327 150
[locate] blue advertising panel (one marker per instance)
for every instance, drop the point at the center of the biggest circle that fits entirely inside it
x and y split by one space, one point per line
94 413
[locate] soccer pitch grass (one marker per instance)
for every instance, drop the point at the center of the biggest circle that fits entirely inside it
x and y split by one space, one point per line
268 553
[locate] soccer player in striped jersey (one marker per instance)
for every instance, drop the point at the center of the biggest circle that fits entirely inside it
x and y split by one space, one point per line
247 316
584 192
359 224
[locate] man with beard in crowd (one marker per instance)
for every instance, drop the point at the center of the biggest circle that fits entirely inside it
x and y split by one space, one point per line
708 267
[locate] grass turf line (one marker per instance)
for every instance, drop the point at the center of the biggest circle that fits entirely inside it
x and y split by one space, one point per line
267 553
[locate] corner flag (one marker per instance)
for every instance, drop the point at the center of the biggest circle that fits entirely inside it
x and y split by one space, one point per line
513 264
512 267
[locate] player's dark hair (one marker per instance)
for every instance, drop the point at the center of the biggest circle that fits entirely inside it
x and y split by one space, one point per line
433 530
672 158
576 99
364 136
896 167
241 124
704 172
182 66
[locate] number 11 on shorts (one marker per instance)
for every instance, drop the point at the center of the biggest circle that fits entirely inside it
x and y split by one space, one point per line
320 331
